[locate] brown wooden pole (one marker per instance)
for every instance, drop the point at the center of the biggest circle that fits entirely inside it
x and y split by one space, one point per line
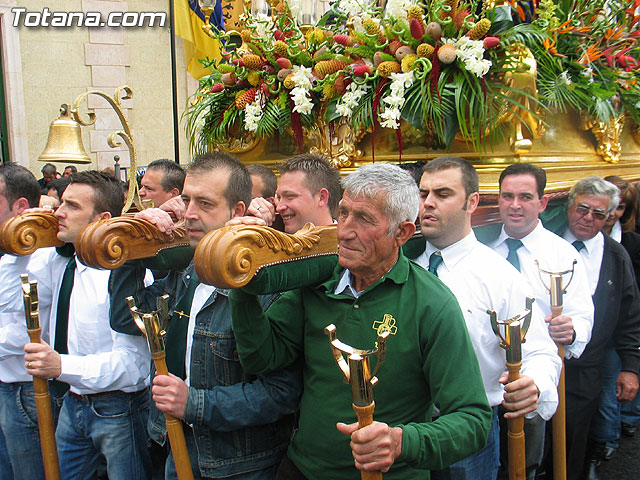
365 417
559 419
45 420
515 436
174 429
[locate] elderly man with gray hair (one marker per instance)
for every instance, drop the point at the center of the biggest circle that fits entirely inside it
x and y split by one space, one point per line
373 288
616 326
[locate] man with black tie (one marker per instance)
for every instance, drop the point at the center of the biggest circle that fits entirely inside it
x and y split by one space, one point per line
616 323
106 373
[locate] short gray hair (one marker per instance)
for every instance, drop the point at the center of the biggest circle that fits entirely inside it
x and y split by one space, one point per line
401 194
595 186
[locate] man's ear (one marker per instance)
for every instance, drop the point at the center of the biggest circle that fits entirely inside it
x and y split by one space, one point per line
19 206
404 232
472 202
102 216
174 192
238 209
544 201
323 197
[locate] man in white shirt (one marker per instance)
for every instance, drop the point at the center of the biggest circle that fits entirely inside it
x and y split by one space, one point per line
524 241
607 370
105 410
481 280
19 190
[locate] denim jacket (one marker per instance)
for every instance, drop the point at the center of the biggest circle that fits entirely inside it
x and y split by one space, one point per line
241 423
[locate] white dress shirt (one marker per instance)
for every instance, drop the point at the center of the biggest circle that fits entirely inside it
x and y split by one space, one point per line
555 255
616 232
592 255
200 297
481 280
13 326
99 359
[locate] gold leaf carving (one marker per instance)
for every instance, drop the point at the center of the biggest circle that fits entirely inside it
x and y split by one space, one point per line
230 256
24 234
109 243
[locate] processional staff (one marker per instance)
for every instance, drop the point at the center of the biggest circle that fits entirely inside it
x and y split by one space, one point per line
41 385
357 373
152 325
556 291
515 330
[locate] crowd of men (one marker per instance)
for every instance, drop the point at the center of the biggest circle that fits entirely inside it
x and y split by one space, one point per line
252 377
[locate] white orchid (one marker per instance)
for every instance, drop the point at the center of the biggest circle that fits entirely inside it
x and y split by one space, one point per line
253 112
394 101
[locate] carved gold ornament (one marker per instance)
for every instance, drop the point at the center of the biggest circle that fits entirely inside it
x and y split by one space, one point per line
229 257
111 242
24 234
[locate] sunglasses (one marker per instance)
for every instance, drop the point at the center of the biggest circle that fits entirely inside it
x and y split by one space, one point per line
583 210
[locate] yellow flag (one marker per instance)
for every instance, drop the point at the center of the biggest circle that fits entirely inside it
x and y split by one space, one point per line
197 44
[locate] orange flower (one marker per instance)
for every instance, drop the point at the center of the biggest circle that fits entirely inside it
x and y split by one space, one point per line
549 46
566 27
614 33
591 54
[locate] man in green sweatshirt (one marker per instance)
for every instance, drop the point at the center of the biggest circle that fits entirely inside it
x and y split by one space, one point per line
429 357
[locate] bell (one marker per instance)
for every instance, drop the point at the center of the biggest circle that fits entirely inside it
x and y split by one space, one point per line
65 140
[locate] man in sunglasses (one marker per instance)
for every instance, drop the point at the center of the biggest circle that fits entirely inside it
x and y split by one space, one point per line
616 323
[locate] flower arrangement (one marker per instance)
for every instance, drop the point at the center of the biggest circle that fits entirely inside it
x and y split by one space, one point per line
438 65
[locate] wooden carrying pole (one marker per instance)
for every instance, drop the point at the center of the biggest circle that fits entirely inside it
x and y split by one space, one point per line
556 291
515 329
515 436
559 419
41 386
153 329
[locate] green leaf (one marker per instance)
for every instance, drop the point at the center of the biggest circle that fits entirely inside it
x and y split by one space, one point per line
331 114
412 108
501 20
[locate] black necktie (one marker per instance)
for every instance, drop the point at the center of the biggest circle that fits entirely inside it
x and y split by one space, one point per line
435 259
62 320
578 245
513 244
176 343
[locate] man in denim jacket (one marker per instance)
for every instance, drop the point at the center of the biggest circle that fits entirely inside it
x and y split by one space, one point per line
236 425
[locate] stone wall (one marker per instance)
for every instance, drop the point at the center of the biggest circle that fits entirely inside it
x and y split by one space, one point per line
47 66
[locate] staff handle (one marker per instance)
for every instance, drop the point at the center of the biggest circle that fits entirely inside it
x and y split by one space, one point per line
174 429
515 436
45 420
559 422
365 417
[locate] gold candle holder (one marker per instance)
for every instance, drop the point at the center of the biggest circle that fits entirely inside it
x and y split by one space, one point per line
152 325
357 373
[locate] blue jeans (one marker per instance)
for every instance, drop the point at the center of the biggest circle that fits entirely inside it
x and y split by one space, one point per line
630 412
479 466
112 424
605 425
5 463
170 473
19 426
